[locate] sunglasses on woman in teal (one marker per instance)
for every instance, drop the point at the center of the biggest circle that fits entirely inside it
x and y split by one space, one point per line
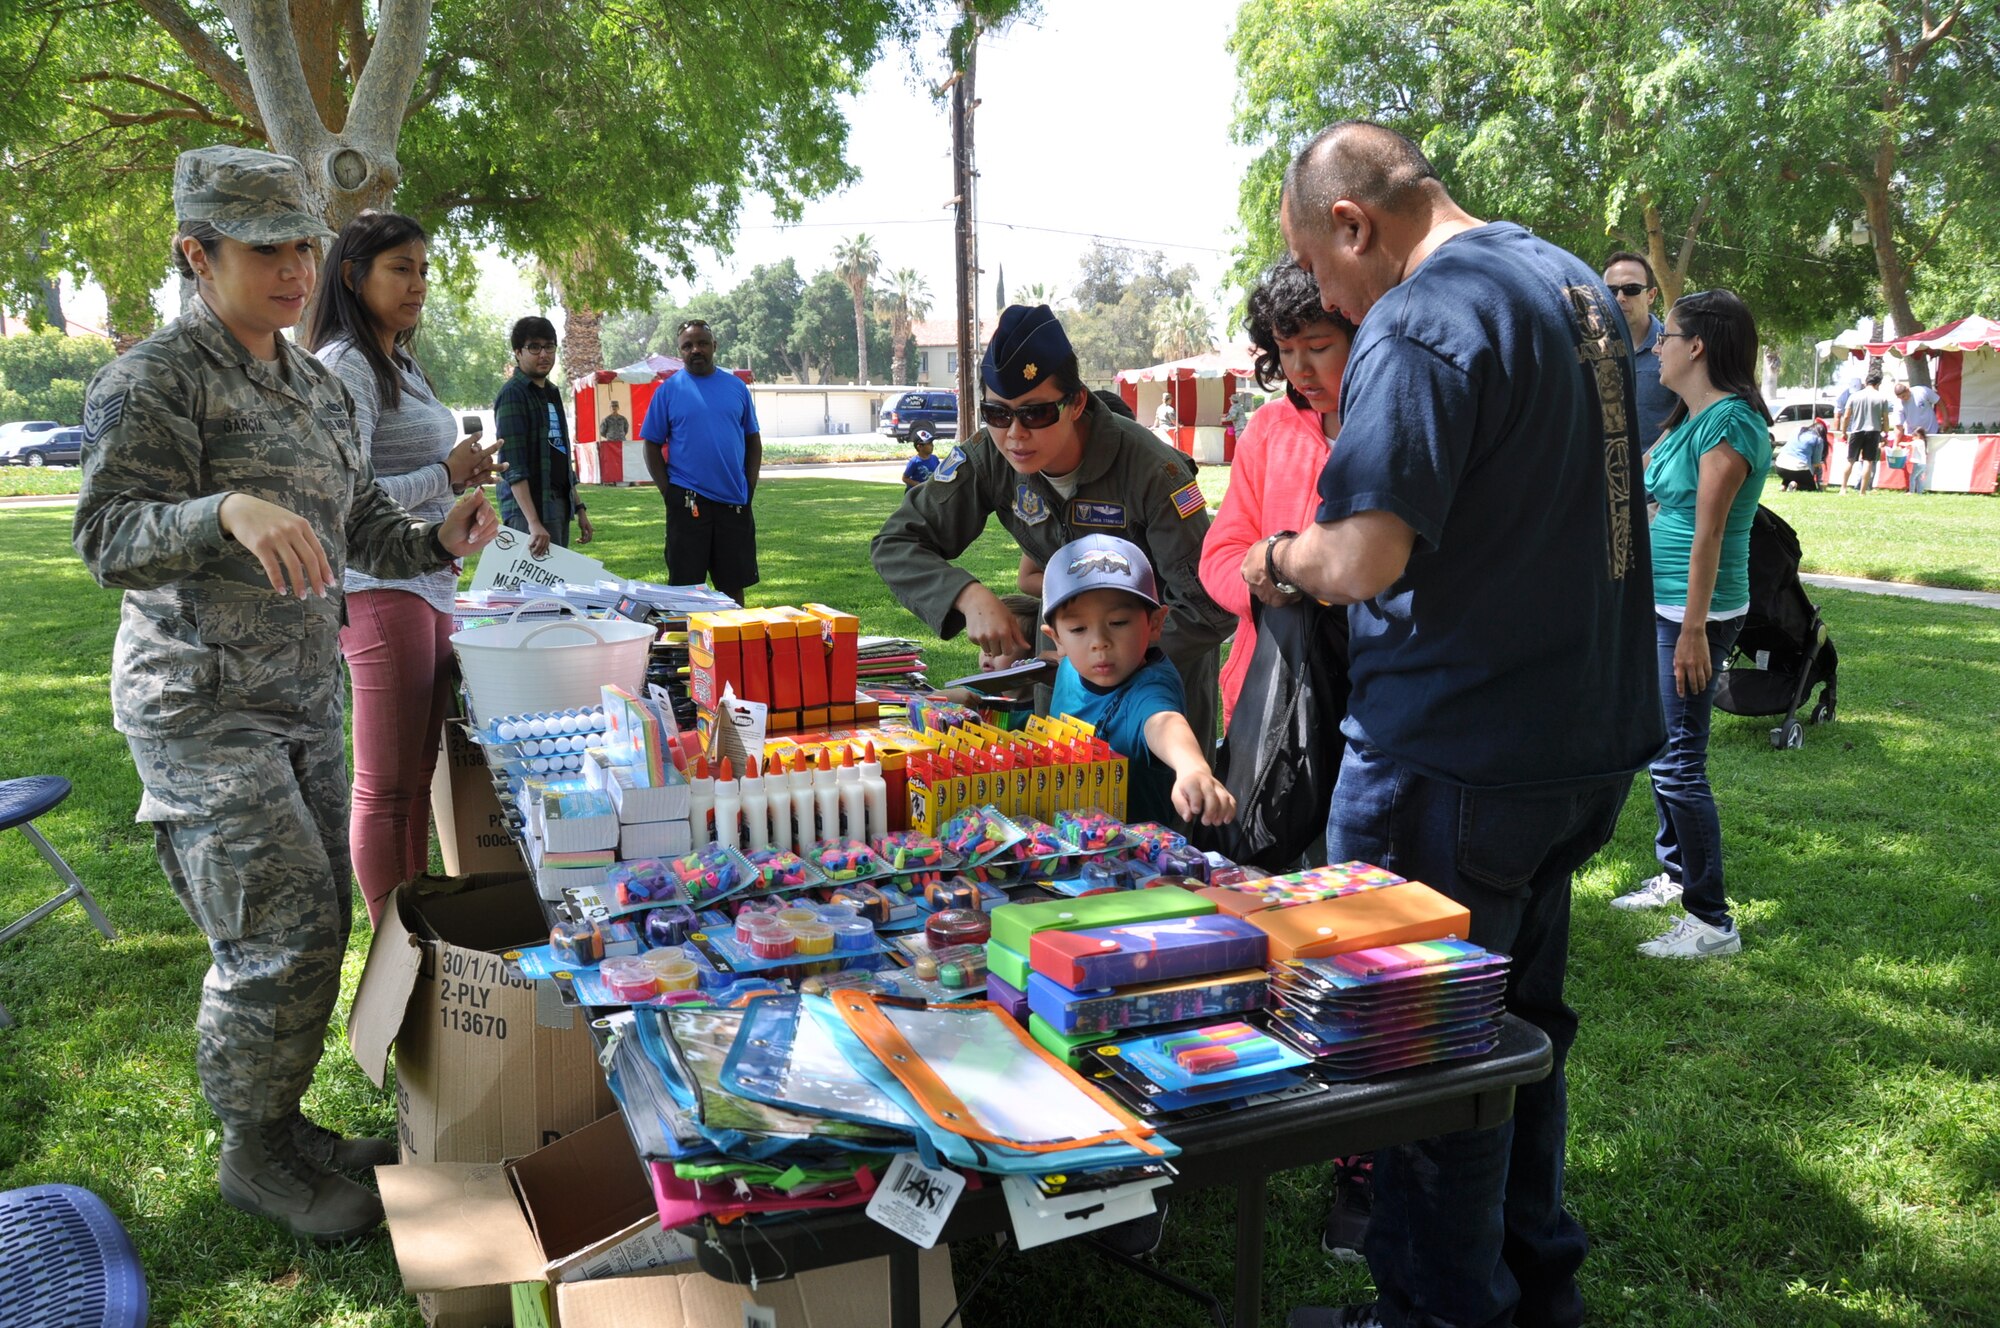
1039 415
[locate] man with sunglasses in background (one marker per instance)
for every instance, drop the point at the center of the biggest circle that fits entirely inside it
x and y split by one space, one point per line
704 452
1054 465
1630 278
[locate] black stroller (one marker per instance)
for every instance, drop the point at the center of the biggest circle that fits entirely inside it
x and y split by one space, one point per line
1783 651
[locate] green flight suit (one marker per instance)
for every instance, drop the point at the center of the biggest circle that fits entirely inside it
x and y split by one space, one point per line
229 694
1130 484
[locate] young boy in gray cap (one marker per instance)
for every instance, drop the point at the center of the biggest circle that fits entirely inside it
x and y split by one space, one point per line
1053 465
1101 607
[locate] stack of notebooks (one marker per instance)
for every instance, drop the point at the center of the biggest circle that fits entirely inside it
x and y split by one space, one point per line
891 661
1372 1011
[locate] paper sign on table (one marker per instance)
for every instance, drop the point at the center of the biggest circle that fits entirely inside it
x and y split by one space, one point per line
506 564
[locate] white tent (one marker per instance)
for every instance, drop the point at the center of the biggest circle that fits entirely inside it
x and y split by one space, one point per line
1965 369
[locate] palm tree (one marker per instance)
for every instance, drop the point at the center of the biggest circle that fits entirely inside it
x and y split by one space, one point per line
908 296
856 263
1181 328
1039 293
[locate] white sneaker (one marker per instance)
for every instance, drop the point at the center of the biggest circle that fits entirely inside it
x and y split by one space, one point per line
1654 892
1691 938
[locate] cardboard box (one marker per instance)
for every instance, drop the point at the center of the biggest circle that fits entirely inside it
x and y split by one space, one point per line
489 1066
581 1208
472 832
854 1295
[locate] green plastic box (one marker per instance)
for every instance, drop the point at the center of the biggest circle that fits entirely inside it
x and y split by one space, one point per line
1015 924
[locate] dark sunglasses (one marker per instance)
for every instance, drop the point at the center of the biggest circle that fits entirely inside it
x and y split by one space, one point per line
693 322
1040 415
1629 290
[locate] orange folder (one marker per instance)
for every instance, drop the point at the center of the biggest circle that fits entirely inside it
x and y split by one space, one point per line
1393 915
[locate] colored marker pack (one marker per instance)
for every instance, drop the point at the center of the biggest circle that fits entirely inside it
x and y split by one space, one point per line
1209 1057
1152 951
1108 1010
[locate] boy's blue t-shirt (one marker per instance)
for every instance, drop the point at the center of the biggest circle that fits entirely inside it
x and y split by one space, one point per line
1119 715
1488 403
920 468
703 418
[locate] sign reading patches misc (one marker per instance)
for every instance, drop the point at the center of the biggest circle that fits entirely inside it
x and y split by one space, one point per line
506 564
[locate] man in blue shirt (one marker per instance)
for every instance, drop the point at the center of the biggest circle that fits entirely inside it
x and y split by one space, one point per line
1482 516
1630 278
704 453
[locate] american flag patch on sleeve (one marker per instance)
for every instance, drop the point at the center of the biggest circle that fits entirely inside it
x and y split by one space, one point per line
1188 500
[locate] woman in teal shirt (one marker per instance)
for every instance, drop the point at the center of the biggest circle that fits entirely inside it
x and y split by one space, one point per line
1707 473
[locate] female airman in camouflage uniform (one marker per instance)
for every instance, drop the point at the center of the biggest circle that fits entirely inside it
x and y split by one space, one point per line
225 490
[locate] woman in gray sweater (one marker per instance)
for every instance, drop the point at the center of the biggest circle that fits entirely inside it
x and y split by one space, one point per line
397 638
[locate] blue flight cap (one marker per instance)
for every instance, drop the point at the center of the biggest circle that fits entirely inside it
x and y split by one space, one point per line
1026 347
1097 562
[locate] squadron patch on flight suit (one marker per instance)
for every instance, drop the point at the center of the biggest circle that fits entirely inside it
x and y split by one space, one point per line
1029 505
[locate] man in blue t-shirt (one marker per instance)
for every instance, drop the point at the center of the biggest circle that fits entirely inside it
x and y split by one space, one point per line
704 452
1481 515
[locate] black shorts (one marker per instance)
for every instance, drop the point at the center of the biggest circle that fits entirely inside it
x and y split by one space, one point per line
709 540
1865 445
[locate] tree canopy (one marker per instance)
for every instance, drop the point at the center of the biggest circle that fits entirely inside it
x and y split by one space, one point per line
589 136
1735 142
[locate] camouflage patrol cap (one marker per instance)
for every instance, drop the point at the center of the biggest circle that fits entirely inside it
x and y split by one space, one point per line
255 197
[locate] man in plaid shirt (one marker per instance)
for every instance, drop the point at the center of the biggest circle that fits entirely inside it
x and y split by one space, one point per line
541 496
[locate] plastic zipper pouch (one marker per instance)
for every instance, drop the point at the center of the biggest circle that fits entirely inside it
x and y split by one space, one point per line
660 1125
704 1038
1306 1037
977 1073
1434 1010
1356 1037
783 1058
1388 965
1203 1058
1391 915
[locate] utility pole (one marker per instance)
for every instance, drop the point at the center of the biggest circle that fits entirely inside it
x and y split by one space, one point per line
965 252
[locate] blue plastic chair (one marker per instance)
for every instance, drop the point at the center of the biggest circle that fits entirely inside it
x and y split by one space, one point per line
21 801
69 1262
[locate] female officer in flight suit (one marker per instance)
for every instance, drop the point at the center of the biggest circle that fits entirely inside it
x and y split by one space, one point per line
224 489
1053 464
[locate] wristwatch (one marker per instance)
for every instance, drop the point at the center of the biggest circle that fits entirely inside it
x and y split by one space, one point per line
1278 582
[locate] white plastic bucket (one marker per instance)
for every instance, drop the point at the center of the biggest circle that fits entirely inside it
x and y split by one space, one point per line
515 668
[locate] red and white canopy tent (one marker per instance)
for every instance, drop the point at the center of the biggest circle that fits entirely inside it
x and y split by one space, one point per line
1201 388
632 387
1965 368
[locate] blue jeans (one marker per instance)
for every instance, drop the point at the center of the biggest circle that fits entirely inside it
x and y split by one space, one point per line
1468 1229
1689 841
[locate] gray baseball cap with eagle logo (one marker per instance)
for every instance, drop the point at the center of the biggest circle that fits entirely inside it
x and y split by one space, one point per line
1097 562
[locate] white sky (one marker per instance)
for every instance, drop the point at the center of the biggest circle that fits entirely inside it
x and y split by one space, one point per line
1106 118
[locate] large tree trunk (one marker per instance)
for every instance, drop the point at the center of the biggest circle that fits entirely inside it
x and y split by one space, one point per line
899 360
348 151
583 343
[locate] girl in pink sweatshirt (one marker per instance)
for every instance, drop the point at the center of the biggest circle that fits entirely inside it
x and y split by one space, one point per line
1273 484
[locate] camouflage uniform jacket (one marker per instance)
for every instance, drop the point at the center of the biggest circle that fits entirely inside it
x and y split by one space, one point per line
1130 484
171 428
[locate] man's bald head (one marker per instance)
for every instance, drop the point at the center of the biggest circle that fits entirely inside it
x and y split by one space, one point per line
1362 161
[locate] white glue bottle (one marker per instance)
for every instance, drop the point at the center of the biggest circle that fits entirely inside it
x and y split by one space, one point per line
778 791
728 807
853 816
875 791
701 803
800 784
756 810
826 799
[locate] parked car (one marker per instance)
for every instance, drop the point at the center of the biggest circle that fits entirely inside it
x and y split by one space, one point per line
925 414
30 443
1786 418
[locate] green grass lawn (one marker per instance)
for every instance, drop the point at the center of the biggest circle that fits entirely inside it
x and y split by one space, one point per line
1806 1134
